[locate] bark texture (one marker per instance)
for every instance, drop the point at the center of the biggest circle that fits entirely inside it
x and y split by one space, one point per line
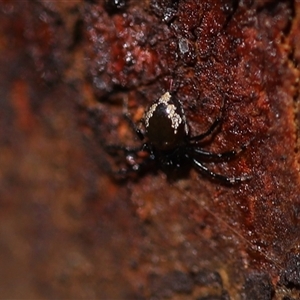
69 229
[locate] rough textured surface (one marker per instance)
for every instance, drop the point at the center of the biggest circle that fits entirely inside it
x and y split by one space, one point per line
68 229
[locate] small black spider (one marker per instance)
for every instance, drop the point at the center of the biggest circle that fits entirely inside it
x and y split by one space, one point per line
167 141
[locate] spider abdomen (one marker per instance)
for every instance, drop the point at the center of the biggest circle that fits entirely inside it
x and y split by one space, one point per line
165 123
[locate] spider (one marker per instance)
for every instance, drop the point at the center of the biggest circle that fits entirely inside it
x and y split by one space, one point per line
167 141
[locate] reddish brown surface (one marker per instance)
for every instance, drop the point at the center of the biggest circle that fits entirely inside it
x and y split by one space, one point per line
68 230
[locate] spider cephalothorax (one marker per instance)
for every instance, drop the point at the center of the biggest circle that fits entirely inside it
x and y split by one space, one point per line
166 138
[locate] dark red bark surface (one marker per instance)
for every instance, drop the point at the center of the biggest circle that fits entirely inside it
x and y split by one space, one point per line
69 228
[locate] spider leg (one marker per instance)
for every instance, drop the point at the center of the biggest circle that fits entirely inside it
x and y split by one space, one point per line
128 118
222 155
229 180
136 129
208 132
211 129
